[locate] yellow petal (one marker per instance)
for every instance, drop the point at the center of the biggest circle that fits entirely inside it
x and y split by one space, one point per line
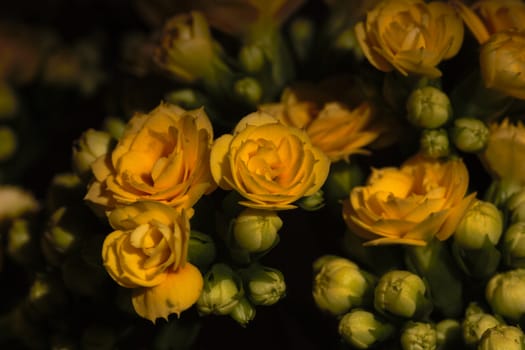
219 163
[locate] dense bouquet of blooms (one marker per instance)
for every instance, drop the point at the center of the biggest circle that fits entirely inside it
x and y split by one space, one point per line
229 135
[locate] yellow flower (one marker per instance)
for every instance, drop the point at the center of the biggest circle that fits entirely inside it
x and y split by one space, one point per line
237 17
187 49
487 17
422 199
410 36
271 165
162 156
177 292
502 63
504 155
149 239
336 129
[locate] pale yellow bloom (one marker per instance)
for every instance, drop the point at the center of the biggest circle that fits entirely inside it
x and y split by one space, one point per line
271 165
162 156
149 239
410 36
502 63
177 292
504 155
423 199
487 17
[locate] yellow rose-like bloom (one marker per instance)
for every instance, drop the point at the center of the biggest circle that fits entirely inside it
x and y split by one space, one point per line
161 156
487 17
268 163
504 154
149 239
177 292
410 36
422 199
502 63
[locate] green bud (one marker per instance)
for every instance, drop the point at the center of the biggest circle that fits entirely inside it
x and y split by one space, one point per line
302 34
516 206
8 143
513 246
313 202
469 134
21 244
47 295
249 90
505 293
362 329
114 126
256 230
243 312
8 101
91 145
221 292
402 293
186 98
482 221
434 143
475 324
263 285
341 179
448 333
252 58
428 107
418 336
99 337
502 337
201 250
500 191
340 285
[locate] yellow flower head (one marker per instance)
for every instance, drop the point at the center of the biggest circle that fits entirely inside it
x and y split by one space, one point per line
410 36
162 156
504 155
271 165
236 17
150 238
502 63
187 49
487 17
422 199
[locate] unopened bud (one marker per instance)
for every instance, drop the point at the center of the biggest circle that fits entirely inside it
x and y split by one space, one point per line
243 312
434 143
256 230
263 285
221 292
428 107
469 134
362 329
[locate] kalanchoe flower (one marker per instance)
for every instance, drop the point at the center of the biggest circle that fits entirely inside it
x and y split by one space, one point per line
502 337
504 293
271 165
402 293
162 156
362 329
263 285
418 336
222 291
339 285
410 36
475 323
428 107
423 199
469 134
256 230
513 245
434 143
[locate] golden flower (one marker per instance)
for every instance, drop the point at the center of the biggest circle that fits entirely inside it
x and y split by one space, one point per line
149 239
504 154
410 36
487 17
271 165
422 199
177 292
187 49
161 156
502 63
